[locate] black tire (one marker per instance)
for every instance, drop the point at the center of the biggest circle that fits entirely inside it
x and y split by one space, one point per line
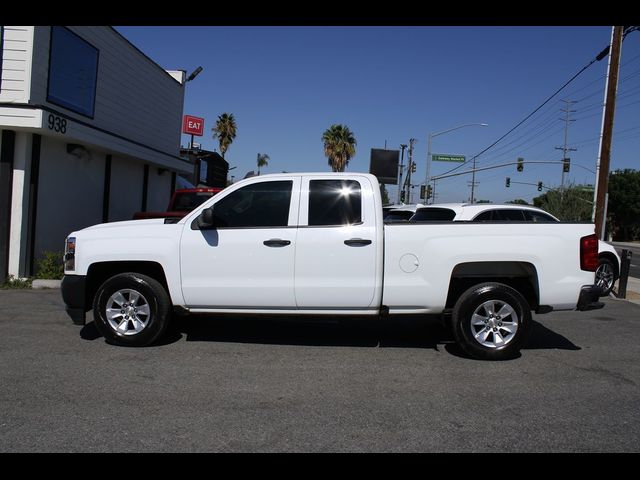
605 275
508 321
140 328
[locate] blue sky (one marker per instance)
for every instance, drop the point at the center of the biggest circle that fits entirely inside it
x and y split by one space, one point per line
286 85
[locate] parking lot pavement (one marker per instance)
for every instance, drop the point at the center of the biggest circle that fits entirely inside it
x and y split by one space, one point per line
258 385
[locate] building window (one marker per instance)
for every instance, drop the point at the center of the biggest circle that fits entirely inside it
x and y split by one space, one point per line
73 72
334 202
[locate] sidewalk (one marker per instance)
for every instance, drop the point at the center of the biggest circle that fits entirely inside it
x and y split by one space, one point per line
633 290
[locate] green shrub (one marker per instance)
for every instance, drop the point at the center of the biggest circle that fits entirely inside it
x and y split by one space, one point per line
13 282
50 266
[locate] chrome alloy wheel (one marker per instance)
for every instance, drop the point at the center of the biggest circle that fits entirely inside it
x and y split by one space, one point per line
494 324
605 276
127 312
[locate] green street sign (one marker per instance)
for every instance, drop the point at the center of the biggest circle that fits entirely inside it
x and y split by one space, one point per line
440 157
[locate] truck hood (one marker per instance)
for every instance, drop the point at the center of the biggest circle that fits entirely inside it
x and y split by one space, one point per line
127 224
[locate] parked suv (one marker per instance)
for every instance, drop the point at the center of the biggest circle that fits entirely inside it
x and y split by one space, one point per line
609 262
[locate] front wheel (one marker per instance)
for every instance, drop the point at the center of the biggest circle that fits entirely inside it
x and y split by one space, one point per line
131 309
491 321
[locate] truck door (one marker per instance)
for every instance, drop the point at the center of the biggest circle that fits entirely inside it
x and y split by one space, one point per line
247 261
337 259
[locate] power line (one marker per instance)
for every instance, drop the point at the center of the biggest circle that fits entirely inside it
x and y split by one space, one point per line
599 57
543 103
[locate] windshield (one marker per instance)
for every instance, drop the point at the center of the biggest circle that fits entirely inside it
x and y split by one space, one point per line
187 201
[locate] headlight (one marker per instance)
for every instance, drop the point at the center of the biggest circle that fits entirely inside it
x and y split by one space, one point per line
70 254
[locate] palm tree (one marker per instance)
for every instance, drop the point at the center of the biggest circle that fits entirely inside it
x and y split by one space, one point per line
225 131
263 161
339 146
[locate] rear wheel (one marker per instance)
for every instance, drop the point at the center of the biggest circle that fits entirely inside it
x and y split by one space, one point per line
605 275
131 309
491 321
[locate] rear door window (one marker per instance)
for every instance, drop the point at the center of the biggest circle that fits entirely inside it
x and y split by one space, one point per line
533 216
508 215
334 202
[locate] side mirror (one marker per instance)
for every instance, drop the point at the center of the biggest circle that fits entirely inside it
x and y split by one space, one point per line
205 219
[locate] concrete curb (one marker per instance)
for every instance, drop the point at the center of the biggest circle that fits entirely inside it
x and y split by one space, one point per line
633 290
39 284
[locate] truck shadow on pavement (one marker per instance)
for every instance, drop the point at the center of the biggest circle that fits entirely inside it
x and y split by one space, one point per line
357 332
398 332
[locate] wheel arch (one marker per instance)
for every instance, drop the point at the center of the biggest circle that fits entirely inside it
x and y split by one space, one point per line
99 272
522 276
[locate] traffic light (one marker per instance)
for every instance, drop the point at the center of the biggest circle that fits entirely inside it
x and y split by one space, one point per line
402 197
539 186
507 182
566 163
520 164
429 192
422 191
413 167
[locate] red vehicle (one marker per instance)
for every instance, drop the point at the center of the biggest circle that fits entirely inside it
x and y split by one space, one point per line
182 202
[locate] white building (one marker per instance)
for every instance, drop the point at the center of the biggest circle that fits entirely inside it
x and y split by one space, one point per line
90 133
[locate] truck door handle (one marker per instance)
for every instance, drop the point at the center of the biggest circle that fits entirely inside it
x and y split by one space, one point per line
276 242
357 242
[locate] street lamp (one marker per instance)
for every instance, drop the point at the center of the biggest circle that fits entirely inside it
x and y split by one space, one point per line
431 135
196 162
194 74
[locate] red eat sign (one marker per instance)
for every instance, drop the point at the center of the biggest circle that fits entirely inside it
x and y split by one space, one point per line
193 125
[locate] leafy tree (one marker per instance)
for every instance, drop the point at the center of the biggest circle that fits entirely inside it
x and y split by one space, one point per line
571 204
263 161
518 201
623 210
225 131
339 146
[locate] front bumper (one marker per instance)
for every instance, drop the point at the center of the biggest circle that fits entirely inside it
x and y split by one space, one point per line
73 288
589 298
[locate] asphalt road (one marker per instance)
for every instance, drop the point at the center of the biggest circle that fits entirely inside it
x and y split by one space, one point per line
256 385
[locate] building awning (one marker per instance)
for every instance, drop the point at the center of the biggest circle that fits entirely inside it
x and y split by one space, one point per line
53 123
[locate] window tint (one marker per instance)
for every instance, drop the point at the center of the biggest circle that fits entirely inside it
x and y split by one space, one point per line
397 216
433 215
187 201
484 216
264 204
508 215
73 70
497 215
334 202
533 216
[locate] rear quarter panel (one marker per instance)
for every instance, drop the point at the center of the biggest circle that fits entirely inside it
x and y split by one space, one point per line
553 249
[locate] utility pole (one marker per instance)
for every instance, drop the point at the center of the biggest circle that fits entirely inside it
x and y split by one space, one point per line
602 167
565 149
407 189
401 166
473 180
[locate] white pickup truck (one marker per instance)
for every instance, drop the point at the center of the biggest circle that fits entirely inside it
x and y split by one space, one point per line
316 244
